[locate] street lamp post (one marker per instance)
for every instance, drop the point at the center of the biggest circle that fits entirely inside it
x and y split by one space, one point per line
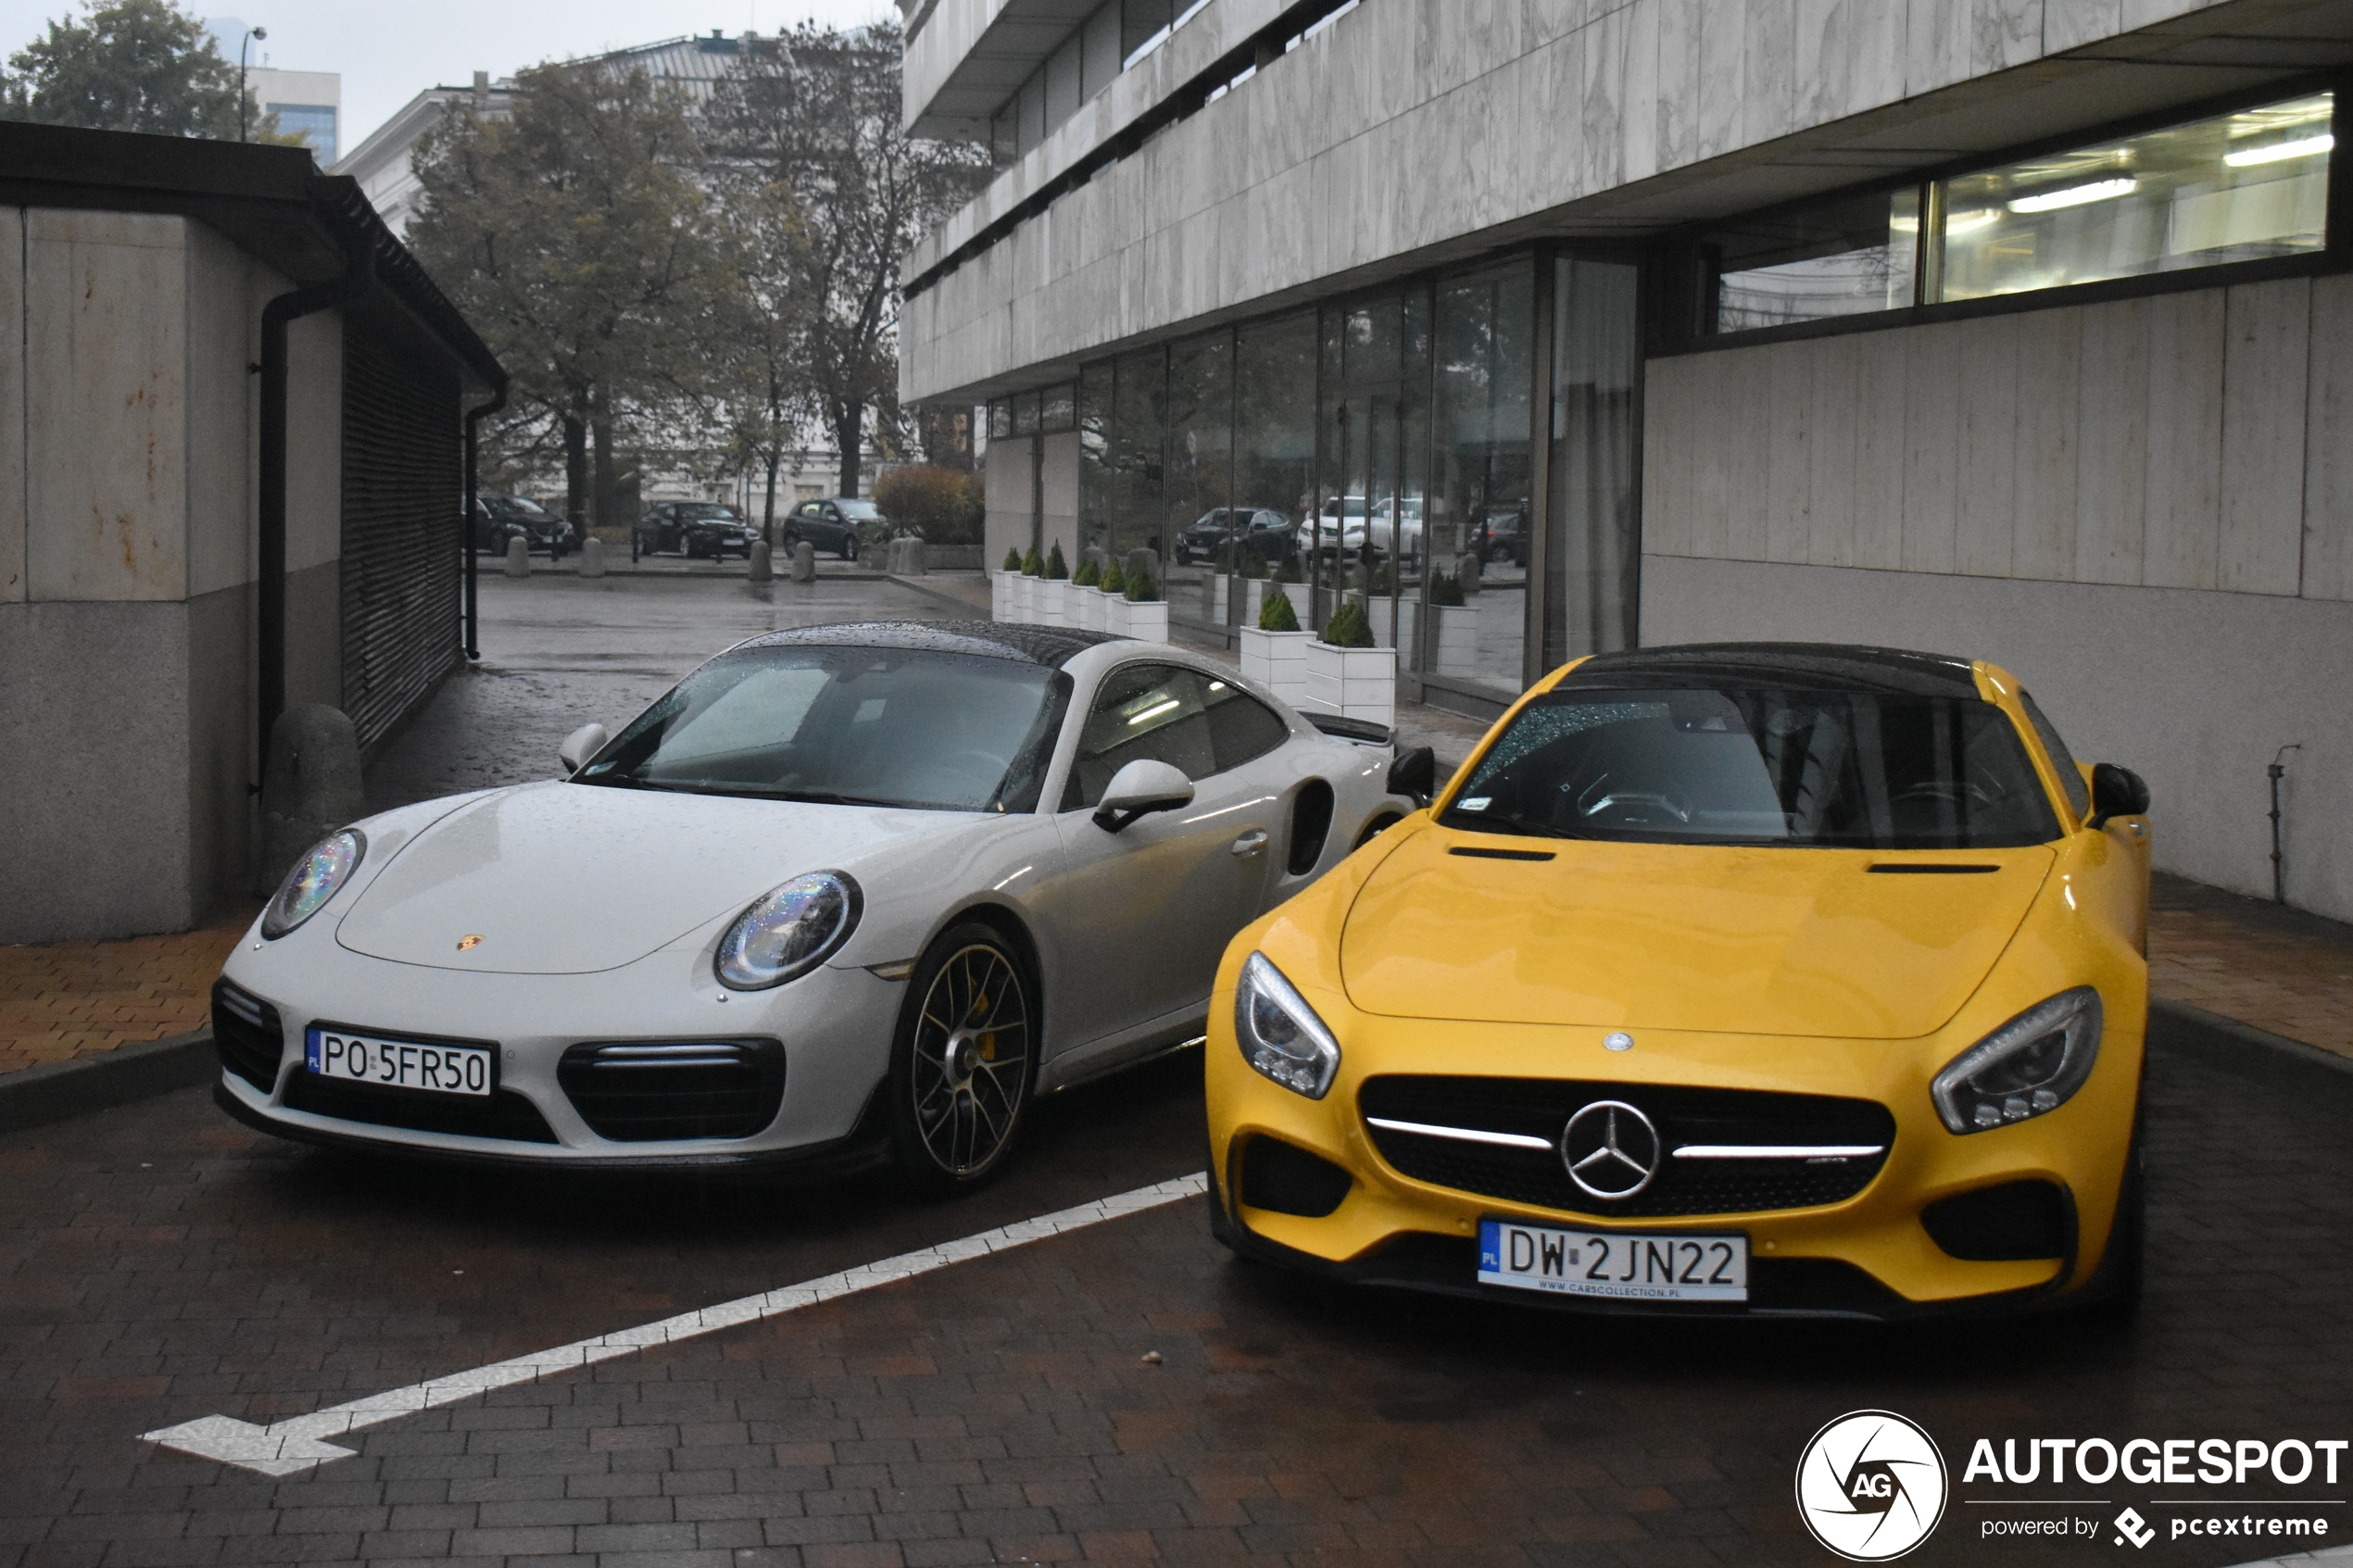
243 45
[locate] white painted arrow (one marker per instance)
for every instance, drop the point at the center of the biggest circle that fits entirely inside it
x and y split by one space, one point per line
286 1447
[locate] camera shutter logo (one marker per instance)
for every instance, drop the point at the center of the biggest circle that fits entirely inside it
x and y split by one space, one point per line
1872 1485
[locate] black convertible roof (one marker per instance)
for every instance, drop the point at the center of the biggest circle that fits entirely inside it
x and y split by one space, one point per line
1050 646
1812 666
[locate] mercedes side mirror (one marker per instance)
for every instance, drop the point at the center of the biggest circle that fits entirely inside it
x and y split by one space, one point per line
1139 789
1415 774
2116 792
580 744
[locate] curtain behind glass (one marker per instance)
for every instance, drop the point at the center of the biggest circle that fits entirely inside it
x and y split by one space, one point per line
1593 551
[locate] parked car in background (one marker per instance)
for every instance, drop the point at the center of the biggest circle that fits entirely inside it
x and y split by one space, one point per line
498 519
840 524
1253 531
696 529
1503 536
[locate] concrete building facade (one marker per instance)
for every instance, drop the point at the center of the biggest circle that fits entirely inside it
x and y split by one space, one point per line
135 629
2010 327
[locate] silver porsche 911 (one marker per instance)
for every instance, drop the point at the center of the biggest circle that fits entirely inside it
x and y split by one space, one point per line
847 893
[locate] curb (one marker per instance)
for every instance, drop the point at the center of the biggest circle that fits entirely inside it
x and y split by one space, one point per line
55 1091
2247 1034
970 611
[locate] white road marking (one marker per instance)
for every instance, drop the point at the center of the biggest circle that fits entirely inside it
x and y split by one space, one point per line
287 1447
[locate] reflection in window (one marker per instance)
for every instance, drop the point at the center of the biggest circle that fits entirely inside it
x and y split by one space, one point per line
1842 259
2236 187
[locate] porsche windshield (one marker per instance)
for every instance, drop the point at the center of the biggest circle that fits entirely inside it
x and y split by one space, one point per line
1826 769
858 726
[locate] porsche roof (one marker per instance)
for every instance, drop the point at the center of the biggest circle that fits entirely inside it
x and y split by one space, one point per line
1812 666
1050 646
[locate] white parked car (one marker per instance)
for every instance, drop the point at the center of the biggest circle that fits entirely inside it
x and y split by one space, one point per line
847 893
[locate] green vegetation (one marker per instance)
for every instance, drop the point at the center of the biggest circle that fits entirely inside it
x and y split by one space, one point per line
1013 560
1276 613
943 505
1141 588
1114 581
1088 575
134 64
1031 565
1057 568
1348 628
1446 590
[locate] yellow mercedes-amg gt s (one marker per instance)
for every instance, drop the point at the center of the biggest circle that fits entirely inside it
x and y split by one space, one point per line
1744 978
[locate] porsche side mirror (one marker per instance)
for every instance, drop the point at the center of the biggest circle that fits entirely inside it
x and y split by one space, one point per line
2116 792
1139 789
580 744
1415 774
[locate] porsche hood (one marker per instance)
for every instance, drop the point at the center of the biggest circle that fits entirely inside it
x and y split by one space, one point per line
568 879
1765 941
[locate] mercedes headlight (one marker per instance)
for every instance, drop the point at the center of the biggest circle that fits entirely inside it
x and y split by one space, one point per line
2030 1065
788 932
327 865
1279 1034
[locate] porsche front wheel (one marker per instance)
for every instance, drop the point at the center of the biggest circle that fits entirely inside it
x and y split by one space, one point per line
965 1060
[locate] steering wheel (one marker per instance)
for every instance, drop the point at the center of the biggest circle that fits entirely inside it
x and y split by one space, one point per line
985 768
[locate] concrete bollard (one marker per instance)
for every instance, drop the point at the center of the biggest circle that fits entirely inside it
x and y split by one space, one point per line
1471 572
592 557
760 564
804 562
310 787
518 558
916 564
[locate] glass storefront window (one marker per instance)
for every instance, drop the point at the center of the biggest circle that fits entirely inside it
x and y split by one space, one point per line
1139 431
1594 548
1273 438
1200 473
1479 484
1842 259
1095 389
2235 187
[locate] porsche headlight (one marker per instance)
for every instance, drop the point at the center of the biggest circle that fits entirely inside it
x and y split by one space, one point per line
788 932
1279 1034
2030 1065
313 881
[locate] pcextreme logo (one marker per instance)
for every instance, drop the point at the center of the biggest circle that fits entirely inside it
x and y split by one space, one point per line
1872 1485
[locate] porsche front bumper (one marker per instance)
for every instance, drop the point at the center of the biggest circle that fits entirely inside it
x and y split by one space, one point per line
1850 1245
814 1049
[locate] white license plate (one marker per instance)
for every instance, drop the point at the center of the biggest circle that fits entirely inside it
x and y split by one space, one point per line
397 1064
1624 1265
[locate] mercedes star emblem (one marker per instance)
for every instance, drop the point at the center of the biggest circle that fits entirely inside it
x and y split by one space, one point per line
1611 1150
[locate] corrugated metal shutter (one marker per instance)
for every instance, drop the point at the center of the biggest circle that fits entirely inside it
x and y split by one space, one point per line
403 486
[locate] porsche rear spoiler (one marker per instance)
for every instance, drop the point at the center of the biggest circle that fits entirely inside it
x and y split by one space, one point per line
1363 730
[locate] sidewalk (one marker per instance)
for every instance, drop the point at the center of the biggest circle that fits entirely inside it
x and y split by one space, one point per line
560 652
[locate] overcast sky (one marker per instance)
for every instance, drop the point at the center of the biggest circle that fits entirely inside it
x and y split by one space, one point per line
388 53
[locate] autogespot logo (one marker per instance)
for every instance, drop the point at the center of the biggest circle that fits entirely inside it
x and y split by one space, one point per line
1872 1485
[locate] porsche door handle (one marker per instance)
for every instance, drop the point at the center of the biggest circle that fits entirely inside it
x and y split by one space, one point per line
1252 842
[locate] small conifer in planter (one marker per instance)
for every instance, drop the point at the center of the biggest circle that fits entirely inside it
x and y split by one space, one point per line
1031 565
1013 560
1446 592
1141 588
1088 575
1277 613
1057 568
1113 582
1348 628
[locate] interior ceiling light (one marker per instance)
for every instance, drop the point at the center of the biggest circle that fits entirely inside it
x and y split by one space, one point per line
2076 196
1964 222
2280 152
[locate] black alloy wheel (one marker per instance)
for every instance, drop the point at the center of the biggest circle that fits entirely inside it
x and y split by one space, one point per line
965 1060
850 543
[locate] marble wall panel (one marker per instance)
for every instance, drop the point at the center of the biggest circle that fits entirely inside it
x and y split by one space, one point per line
12 395
1834 426
2111 485
2182 538
1985 507
1877 533
1931 448
2265 383
1789 472
2050 375
2328 445
1683 27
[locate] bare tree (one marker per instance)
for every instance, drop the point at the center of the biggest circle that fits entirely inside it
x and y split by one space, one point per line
817 115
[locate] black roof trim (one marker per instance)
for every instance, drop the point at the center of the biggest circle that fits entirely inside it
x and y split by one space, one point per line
1050 646
1811 666
269 200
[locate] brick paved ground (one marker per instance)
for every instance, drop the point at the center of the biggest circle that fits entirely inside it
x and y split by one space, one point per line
2277 969
72 998
161 1263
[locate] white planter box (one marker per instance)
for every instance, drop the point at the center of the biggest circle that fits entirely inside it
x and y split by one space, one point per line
1054 608
1146 621
1253 599
1000 594
1355 683
1017 597
1089 604
1457 628
1277 661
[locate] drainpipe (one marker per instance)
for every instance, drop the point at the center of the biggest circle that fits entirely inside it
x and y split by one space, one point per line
466 521
276 316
